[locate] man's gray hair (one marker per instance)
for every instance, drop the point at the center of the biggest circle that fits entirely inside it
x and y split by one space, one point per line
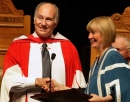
57 10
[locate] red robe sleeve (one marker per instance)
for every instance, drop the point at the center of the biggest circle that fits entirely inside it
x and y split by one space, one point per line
72 61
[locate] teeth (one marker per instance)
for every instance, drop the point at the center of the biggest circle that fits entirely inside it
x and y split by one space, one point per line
92 40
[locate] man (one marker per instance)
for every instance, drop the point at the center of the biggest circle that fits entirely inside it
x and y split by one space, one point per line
122 44
22 75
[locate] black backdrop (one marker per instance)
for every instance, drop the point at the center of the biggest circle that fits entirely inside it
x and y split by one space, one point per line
74 15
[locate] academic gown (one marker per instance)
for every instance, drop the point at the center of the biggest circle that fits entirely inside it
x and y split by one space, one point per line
111 75
22 65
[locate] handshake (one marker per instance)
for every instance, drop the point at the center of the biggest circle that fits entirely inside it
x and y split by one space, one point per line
49 85
54 94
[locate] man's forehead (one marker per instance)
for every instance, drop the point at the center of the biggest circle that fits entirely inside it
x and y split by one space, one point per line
48 6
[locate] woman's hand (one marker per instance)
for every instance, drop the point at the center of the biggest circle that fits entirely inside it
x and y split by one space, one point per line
57 87
96 98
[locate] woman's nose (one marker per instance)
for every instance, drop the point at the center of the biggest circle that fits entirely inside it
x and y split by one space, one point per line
90 36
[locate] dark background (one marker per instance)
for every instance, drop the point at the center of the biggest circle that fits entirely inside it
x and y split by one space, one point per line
74 16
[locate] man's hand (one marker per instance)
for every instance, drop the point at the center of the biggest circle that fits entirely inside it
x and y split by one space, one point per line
44 83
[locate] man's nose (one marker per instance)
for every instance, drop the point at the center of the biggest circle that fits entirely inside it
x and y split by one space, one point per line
43 22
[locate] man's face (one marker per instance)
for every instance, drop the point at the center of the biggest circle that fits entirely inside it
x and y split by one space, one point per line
44 20
121 45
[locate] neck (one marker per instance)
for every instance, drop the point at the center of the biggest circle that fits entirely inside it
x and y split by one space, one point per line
101 52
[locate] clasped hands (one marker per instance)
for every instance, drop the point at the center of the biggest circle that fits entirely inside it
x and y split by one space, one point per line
47 84
53 85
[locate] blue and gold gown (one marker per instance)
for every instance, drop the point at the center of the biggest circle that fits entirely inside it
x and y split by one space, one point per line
110 75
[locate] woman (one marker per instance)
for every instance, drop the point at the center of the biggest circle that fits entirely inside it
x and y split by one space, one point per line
109 77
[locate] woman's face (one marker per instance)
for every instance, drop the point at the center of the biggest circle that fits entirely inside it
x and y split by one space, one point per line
95 39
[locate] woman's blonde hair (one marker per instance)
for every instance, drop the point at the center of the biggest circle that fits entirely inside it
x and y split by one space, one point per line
106 27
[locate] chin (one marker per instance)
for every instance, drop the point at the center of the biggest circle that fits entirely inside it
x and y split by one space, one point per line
42 33
93 45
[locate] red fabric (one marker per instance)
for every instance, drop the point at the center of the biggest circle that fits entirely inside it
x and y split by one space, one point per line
72 62
13 56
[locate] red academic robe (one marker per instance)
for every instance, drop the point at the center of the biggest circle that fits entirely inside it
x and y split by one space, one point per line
19 54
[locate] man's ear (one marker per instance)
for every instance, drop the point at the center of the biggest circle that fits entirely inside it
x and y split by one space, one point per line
55 25
34 21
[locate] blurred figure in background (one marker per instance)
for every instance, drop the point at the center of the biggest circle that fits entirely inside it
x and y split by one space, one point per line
122 44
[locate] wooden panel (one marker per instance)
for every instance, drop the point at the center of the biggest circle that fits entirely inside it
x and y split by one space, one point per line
13 23
0 75
2 54
122 22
